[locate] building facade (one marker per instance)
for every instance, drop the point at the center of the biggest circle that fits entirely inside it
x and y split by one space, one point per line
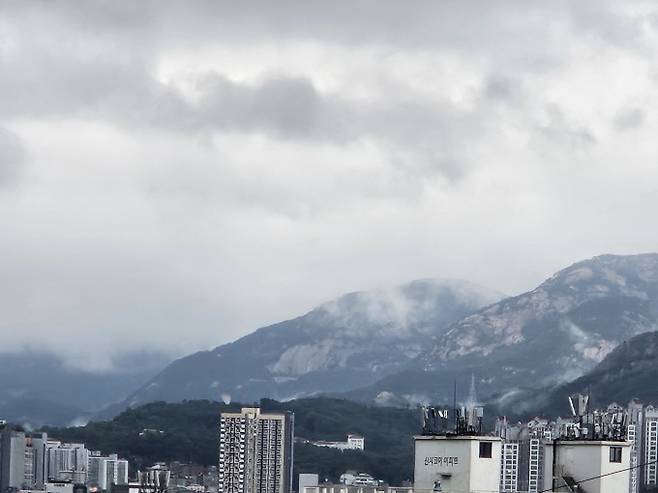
255 452
67 462
522 465
353 442
634 436
105 471
568 462
456 463
509 470
650 452
22 460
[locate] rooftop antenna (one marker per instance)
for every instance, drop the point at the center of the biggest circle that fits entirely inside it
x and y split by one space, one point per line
472 395
454 403
579 404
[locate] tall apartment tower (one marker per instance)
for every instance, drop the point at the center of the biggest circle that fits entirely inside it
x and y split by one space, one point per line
650 449
104 471
255 452
522 460
509 473
67 461
22 460
634 436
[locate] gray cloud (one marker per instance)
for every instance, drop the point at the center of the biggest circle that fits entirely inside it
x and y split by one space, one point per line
12 156
283 106
564 133
191 171
629 118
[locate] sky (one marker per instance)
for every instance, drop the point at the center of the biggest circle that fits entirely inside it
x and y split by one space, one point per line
176 174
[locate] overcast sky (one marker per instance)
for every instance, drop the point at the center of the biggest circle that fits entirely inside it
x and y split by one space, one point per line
174 174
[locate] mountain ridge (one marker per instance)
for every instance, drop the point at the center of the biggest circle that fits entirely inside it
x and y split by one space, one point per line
573 320
344 343
626 373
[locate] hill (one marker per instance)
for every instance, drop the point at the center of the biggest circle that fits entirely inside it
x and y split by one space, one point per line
628 372
190 434
38 387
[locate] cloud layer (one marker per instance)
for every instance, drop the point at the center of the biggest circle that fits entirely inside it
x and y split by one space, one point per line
175 174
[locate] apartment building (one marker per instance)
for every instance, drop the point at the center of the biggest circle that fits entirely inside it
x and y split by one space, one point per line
255 452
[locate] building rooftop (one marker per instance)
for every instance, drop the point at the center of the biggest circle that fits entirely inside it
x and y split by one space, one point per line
616 443
457 437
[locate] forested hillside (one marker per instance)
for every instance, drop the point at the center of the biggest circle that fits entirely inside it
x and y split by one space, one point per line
190 433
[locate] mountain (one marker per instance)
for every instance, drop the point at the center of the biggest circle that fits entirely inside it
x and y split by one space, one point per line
552 334
39 387
341 345
630 371
190 431
627 372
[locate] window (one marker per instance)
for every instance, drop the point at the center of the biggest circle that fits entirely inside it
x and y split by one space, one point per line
485 450
615 454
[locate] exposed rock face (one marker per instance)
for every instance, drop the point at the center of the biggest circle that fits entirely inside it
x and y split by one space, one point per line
552 334
347 343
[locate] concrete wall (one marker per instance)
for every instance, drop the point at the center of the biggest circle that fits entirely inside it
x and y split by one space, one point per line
582 460
307 480
455 462
56 487
13 460
485 473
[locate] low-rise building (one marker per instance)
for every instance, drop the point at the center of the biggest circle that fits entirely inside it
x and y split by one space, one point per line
343 488
350 478
306 479
599 466
457 463
155 478
353 442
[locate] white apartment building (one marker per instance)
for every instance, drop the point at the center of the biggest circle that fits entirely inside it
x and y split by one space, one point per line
353 442
66 461
536 463
522 454
104 471
356 442
634 436
155 478
22 460
650 452
255 452
509 467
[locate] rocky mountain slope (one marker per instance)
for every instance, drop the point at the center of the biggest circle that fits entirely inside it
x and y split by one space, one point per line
552 334
628 372
347 343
